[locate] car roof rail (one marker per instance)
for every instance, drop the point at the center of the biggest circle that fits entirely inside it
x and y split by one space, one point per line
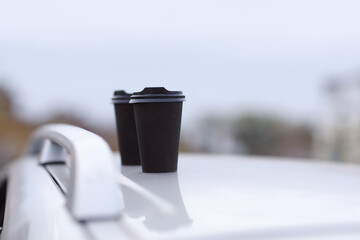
93 192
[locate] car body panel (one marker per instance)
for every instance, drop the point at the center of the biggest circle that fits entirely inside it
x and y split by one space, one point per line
209 197
253 197
35 206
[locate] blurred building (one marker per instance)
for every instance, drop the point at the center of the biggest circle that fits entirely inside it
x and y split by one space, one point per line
338 133
212 134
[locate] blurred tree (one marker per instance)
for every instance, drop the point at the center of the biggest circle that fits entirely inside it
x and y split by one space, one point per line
259 135
269 135
5 101
14 132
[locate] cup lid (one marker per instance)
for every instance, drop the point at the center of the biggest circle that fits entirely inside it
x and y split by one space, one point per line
120 96
157 94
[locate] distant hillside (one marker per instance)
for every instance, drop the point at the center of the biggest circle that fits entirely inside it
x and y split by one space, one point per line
14 132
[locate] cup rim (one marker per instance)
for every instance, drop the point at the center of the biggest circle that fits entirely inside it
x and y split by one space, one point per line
157 94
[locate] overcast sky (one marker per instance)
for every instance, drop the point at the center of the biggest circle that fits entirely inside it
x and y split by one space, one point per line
224 55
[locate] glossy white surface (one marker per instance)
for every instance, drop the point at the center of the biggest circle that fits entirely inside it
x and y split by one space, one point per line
228 197
92 190
211 197
35 206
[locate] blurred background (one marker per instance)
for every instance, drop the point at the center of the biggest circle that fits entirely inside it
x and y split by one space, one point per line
279 78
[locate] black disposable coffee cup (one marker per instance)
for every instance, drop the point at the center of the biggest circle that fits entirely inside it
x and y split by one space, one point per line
126 129
158 122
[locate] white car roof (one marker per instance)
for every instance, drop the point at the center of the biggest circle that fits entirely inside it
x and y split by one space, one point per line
250 197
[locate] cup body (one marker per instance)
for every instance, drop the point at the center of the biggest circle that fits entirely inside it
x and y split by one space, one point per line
158 123
158 127
126 131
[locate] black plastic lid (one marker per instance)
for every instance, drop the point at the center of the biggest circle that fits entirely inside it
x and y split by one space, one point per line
120 96
157 94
